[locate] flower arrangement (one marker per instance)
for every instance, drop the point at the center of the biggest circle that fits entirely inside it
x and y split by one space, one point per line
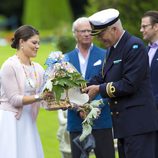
62 90
61 78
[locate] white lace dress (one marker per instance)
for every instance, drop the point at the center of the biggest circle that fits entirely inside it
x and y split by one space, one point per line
20 138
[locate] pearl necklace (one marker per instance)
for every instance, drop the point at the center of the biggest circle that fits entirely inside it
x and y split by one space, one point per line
32 85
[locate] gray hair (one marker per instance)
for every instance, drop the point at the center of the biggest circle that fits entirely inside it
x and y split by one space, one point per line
118 24
78 21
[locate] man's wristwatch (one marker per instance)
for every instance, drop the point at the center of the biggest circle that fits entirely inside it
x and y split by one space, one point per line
37 97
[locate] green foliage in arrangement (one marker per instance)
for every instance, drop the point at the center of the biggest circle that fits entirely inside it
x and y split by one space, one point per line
65 80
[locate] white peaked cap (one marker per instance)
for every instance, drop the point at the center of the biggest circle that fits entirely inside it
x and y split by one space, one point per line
103 19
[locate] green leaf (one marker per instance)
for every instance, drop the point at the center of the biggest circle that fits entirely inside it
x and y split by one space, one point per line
58 90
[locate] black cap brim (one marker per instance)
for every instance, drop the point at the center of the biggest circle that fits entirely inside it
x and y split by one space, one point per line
97 29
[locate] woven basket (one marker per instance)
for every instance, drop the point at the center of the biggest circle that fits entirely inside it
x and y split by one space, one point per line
53 105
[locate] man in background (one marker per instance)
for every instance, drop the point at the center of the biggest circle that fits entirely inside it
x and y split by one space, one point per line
149 29
88 60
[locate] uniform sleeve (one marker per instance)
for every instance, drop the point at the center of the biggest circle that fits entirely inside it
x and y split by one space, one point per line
96 80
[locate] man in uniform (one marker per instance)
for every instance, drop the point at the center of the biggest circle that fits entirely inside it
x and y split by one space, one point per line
125 81
88 59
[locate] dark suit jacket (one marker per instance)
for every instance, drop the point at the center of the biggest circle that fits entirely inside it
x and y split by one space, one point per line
154 76
133 107
94 66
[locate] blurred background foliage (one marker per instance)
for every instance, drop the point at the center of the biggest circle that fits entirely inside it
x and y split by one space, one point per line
46 14
131 11
53 18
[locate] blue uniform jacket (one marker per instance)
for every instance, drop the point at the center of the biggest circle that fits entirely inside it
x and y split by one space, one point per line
154 75
130 95
104 121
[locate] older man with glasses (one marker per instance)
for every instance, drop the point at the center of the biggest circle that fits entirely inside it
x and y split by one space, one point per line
88 60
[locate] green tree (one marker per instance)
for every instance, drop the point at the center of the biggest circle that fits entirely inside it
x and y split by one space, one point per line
131 11
46 14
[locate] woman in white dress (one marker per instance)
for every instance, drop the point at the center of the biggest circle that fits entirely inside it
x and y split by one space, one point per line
21 80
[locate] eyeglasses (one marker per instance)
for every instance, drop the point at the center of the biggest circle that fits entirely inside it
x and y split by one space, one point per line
145 26
84 31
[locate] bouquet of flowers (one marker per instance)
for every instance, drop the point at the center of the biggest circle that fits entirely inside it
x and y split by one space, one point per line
63 81
65 84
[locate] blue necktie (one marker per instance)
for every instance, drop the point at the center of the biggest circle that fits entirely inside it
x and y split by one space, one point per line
110 52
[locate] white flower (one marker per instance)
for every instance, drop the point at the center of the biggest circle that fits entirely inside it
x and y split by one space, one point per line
56 55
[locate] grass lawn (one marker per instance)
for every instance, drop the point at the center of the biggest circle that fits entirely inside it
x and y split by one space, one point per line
48 124
47 121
